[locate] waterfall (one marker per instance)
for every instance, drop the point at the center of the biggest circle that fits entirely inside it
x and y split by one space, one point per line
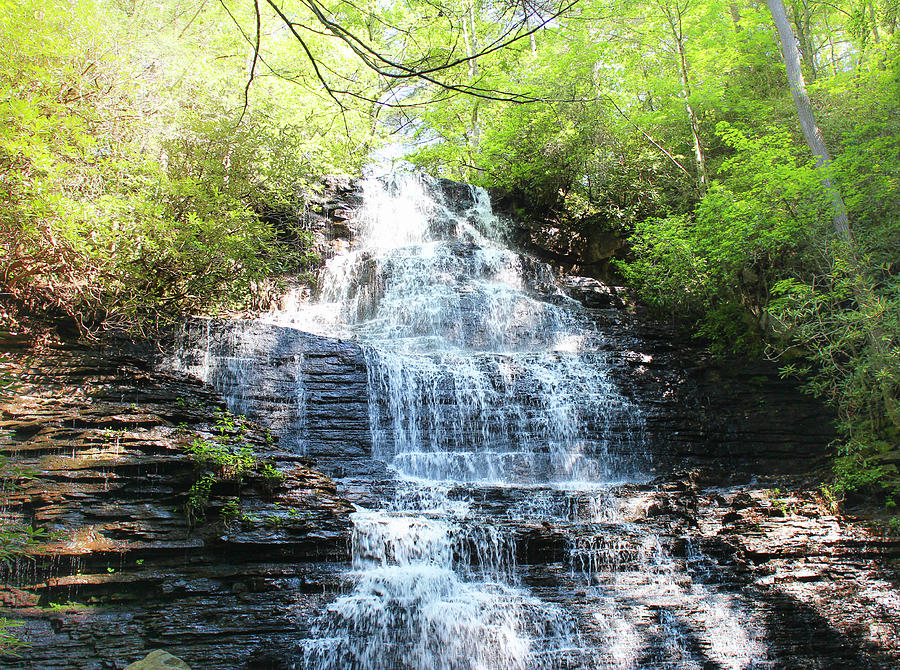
509 531
480 368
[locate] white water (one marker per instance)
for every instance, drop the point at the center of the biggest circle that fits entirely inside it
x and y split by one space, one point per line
480 368
493 402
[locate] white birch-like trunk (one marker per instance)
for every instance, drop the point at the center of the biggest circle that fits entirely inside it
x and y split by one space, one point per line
811 132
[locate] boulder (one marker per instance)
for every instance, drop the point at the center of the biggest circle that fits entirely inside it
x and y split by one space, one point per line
159 660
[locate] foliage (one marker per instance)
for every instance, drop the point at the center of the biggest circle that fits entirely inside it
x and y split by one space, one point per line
757 265
271 477
10 643
847 323
133 176
613 137
198 499
223 460
719 264
229 460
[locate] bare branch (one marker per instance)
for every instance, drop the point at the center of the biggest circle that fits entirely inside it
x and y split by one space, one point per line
253 65
392 69
650 139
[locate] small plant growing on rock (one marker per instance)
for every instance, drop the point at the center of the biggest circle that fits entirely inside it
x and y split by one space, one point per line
295 513
271 476
9 642
227 423
226 457
780 502
67 606
231 511
232 461
831 499
894 526
198 499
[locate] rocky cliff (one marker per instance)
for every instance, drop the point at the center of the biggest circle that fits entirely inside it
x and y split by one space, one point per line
105 435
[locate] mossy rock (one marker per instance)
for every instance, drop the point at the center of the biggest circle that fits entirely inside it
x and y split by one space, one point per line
159 660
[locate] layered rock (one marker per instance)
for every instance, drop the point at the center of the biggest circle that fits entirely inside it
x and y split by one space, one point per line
125 572
127 575
695 409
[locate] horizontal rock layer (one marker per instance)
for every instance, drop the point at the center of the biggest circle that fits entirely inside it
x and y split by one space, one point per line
125 573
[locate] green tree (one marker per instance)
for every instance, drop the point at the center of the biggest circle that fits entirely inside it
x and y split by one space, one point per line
137 160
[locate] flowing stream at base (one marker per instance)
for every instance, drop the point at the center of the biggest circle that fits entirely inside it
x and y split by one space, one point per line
493 406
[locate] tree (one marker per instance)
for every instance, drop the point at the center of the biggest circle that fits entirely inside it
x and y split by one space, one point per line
674 13
811 132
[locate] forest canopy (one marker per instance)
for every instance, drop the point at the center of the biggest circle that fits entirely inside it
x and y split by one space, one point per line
142 143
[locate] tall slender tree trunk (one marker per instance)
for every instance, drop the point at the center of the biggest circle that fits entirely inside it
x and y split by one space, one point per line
735 16
874 21
863 292
811 131
471 37
802 22
673 16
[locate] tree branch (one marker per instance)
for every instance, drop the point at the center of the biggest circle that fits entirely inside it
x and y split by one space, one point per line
253 65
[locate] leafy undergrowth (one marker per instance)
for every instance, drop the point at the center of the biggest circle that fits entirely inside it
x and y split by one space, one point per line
224 461
134 174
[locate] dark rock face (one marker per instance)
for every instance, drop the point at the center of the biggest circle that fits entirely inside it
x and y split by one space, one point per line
733 414
126 573
592 293
310 389
580 247
696 410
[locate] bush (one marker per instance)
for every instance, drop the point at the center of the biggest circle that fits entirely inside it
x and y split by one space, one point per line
224 460
758 266
132 175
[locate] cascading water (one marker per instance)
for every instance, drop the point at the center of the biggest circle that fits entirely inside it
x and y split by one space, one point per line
492 401
480 373
480 368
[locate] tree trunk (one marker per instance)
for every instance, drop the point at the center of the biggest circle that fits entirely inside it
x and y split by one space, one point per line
811 131
802 22
874 21
472 44
735 17
674 19
863 292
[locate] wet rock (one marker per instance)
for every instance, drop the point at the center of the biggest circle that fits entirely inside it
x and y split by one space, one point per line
731 518
742 501
592 292
127 572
